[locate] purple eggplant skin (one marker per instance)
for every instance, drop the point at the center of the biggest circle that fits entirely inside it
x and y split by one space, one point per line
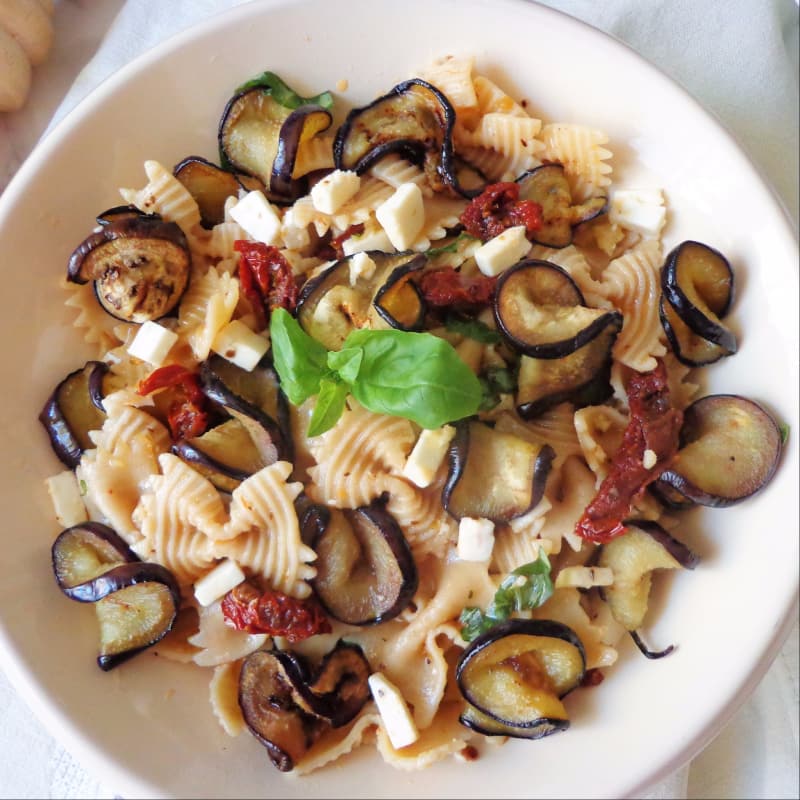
119 577
689 348
98 373
379 521
646 651
414 149
477 721
65 440
670 497
678 296
678 550
379 303
281 181
122 212
108 538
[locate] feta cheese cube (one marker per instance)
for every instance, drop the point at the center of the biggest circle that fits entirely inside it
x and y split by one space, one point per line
503 251
334 190
152 343
475 539
402 215
65 494
218 582
361 266
640 210
255 214
240 345
374 240
397 719
429 451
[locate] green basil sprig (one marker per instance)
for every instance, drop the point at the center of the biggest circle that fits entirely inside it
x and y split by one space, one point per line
412 375
527 587
283 94
472 329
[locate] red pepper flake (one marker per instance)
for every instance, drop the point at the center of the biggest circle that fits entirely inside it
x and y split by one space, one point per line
497 208
447 287
266 279
273 613
654 425
592 677
187 415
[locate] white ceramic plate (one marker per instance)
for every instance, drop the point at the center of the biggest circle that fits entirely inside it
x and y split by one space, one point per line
147 729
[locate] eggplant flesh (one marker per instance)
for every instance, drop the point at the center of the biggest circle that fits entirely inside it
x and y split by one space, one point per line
73 410
366 573
541 311
476 720
730 449
82 553
516 673
689 348
494 475
547 185
210 186
582 377
140 267
698 283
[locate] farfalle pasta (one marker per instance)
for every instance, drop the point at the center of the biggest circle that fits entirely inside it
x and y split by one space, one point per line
369 416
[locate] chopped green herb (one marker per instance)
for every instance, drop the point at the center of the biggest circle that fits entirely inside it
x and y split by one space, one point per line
784 429
84 487
472 329
452 247
494 382
527 587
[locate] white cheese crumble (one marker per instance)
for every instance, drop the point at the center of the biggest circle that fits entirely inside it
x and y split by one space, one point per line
217 583
428 454
65 494
503 251
152 343
649 459
397 719
334 190
475 539
402 215
258 218
640 210
241 346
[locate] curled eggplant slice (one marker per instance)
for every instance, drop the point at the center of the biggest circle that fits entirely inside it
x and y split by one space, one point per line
494 475
226 454
267 698
140 266
697 281
330 305
262 127
120 577
210 186
72 410
670 497
340 688
366 573
82 553
645 546
689 348
730 448
582 377
255 399
121 212
415 120
547 185
515 675
134 617
540 309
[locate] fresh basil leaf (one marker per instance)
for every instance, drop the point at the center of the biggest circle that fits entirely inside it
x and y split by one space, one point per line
489 396
472 329
526 587
784 429
452 247
502 379
346 362
329 407
283 94
417 376
300 360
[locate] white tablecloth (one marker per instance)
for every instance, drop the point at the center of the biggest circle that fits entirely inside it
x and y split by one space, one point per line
738 57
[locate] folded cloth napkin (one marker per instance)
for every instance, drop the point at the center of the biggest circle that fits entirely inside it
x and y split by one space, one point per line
739 59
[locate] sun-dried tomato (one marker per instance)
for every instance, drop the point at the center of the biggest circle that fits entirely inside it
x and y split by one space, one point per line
334 249
592 677
273 613
446 287
187 415
498 207
653 425
266 279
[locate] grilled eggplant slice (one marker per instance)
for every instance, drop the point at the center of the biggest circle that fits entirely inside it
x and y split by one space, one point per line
540 309
582 377
82 553
136 616
72 410
632 557
122 212
547 185
515 675
330 306
140 266
689 348
697 281
415 120
255 399
366 573
226 454
211 186
262 127
494 475
730 448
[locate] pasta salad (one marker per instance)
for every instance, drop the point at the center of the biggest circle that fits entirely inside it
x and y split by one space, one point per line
391 421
